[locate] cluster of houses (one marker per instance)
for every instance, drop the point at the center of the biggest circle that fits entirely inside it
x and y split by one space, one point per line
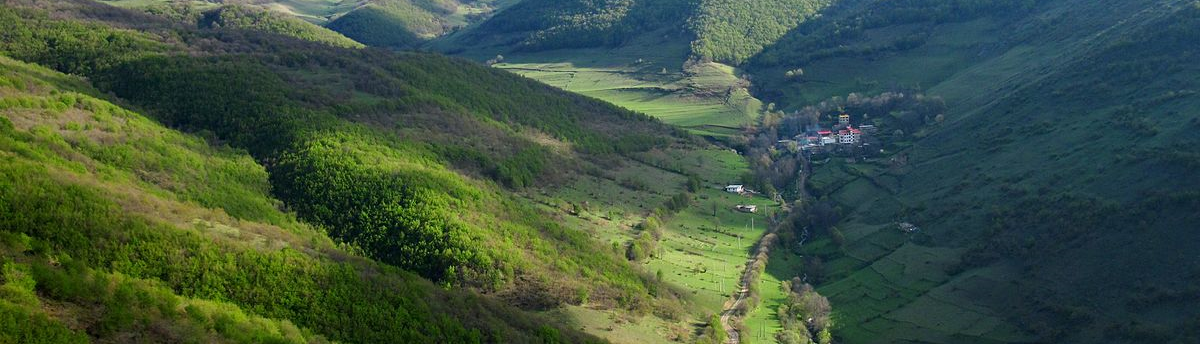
816 139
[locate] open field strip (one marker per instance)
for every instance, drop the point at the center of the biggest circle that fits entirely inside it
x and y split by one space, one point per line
707 99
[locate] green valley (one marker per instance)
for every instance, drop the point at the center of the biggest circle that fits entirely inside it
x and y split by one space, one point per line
577 171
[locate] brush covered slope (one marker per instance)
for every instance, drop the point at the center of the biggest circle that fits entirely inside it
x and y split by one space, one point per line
1055 194
117 229
404 160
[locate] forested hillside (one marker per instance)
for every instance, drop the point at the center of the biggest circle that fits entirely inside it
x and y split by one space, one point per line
116 229
733 31
534 25
407 160
720 30
395 23
251 18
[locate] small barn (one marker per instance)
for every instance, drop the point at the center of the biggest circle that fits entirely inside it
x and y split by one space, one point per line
747 208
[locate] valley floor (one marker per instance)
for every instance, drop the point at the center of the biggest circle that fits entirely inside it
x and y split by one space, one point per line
705 247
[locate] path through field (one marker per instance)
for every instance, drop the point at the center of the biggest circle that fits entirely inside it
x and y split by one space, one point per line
764 242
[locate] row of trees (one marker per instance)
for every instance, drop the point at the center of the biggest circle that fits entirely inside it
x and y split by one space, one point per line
645 245
805 316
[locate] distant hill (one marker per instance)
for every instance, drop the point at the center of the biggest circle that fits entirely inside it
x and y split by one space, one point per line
253 18
397 24
720 30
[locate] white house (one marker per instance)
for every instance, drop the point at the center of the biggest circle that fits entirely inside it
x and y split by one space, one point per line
735 188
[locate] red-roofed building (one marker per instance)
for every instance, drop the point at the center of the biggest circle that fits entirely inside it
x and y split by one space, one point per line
849 136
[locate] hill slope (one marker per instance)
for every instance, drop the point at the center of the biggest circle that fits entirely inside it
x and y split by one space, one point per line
406 159
119 229
1042 193
251 18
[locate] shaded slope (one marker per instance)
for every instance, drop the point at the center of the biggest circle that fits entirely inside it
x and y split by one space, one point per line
251 18
396 24
732 31
547 24
1049 200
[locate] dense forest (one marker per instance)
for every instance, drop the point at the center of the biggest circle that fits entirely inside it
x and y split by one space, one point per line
726 31
407 24
550 24
733 31
388 24
245 17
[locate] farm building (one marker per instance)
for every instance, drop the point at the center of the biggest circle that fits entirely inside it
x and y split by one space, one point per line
735 188
747 208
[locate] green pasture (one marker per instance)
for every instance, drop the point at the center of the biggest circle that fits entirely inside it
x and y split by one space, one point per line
649 77
763 322
699 252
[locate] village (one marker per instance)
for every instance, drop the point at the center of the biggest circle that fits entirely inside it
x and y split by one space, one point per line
843 138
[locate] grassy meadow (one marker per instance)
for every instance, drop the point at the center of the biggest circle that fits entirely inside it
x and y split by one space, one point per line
649 77
700 255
